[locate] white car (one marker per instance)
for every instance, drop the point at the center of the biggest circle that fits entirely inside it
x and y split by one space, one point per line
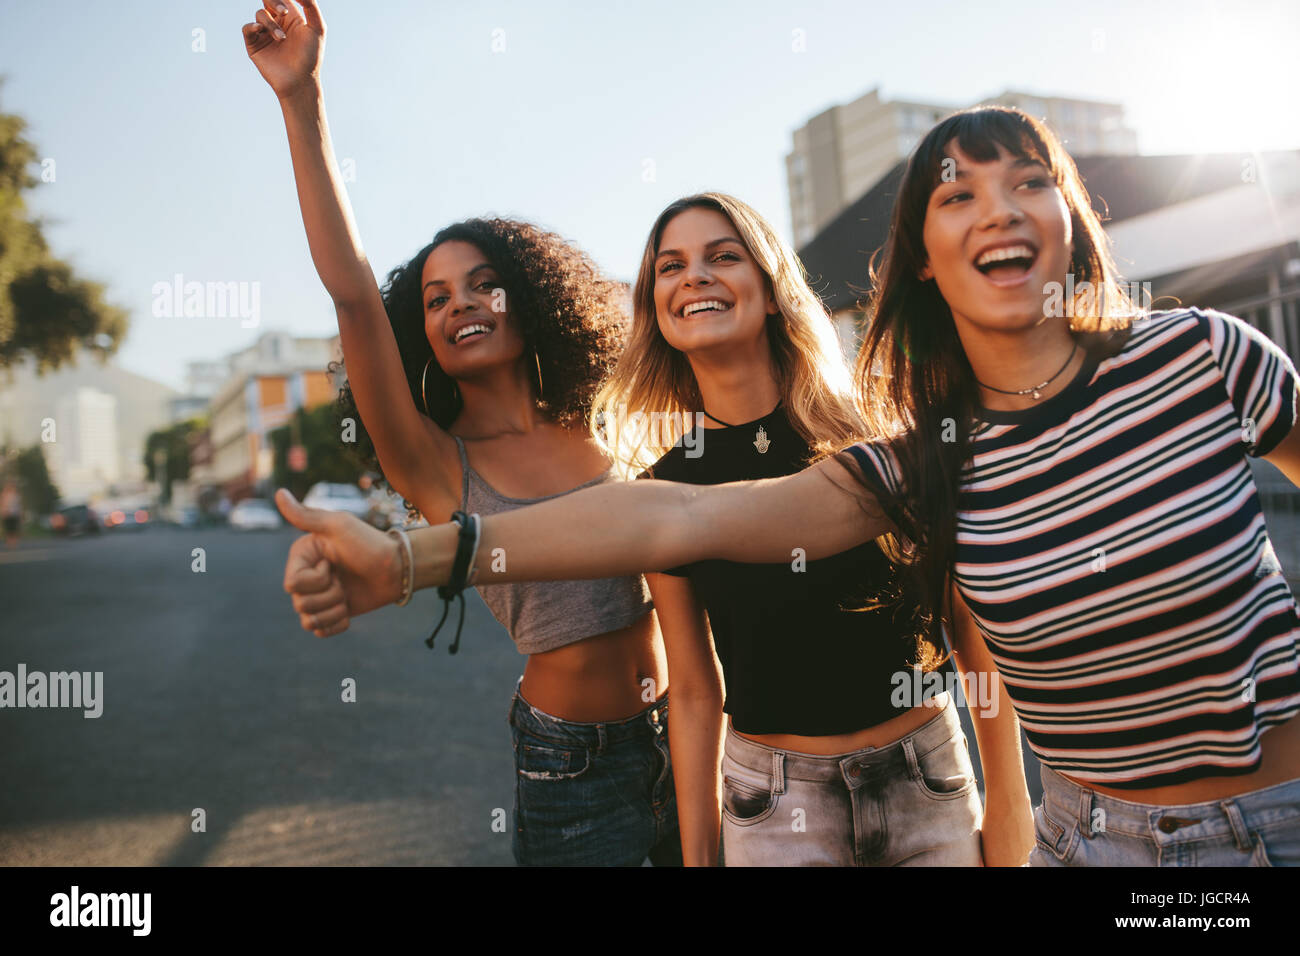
252 514
336 496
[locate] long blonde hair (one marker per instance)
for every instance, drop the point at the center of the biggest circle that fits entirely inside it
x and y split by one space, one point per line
655 379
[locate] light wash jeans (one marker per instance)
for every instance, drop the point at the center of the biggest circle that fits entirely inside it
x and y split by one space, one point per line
910 803
1079 827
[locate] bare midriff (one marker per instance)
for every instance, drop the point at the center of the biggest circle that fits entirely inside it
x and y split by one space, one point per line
879 735
1279 763
607 677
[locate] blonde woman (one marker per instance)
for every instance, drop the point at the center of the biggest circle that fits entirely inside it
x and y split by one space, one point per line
819 764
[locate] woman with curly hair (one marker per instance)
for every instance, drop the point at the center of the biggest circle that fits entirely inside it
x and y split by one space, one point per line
473 371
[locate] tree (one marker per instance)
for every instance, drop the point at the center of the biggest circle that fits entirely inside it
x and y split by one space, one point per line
39 494
329 458
174 442
47 313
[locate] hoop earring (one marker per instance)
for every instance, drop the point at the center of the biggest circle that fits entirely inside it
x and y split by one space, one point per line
537 360
424 387
424 379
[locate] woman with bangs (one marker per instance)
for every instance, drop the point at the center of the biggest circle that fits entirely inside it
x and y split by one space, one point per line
473 370
1078 469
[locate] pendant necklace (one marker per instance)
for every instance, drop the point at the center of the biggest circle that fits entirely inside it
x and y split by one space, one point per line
761 441
1035 390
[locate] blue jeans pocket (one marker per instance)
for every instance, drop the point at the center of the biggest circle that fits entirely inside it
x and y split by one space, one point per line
1059 840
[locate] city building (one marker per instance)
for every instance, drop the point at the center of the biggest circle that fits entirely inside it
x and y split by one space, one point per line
73 399
842 152
267 383
83 459
202 381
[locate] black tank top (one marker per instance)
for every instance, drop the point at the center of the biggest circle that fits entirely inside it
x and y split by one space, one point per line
794 658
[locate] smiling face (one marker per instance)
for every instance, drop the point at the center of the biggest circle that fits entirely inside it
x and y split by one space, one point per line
994 237
708 290
467 317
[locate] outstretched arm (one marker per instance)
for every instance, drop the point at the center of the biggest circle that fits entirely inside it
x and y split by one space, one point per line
606 531
414 452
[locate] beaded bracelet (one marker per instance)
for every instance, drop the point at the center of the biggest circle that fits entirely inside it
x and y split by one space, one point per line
408 566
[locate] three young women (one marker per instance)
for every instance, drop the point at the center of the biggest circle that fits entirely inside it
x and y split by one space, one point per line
1078 471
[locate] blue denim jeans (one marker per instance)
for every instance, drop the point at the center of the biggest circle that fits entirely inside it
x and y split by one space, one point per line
910 803
593 794
1079 827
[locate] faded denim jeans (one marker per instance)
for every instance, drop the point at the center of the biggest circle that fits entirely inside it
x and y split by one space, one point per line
1079 827
593 794
910 803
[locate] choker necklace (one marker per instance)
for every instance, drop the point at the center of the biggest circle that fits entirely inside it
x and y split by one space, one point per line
1036 389
761 441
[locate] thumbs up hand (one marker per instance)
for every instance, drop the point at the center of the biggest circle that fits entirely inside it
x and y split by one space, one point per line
342 568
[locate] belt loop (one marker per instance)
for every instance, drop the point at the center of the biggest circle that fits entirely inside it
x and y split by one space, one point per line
778 772
1085 812
1239 832
601 738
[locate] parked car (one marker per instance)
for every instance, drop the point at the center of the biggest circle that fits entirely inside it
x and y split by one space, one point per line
253 514
124 516
336 496
74 520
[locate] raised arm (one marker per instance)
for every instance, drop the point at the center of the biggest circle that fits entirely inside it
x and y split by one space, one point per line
605 531
288 49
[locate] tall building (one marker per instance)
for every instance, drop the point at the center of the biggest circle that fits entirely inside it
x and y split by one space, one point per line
267 382
83 458
28 400
842 152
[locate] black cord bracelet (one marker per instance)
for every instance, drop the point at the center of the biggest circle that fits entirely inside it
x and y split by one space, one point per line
466 548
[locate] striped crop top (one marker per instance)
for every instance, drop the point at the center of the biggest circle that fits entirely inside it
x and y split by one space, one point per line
543 615
1111 548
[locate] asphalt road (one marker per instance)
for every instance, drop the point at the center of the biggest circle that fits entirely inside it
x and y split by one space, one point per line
215 700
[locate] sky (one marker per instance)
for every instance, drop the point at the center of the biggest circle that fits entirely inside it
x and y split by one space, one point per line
169 155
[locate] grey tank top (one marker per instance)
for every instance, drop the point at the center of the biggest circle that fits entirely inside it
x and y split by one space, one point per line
544 615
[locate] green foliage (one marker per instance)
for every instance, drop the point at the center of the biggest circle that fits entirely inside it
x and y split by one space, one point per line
174 441
40 497
329 458
47 313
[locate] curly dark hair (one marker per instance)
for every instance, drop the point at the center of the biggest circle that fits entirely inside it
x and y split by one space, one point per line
570 313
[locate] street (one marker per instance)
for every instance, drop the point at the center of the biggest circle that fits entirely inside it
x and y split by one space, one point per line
214 700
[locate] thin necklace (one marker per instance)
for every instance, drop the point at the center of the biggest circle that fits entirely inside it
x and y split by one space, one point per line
761 441
1036 389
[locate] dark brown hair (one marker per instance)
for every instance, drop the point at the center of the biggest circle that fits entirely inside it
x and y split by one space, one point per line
912 375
